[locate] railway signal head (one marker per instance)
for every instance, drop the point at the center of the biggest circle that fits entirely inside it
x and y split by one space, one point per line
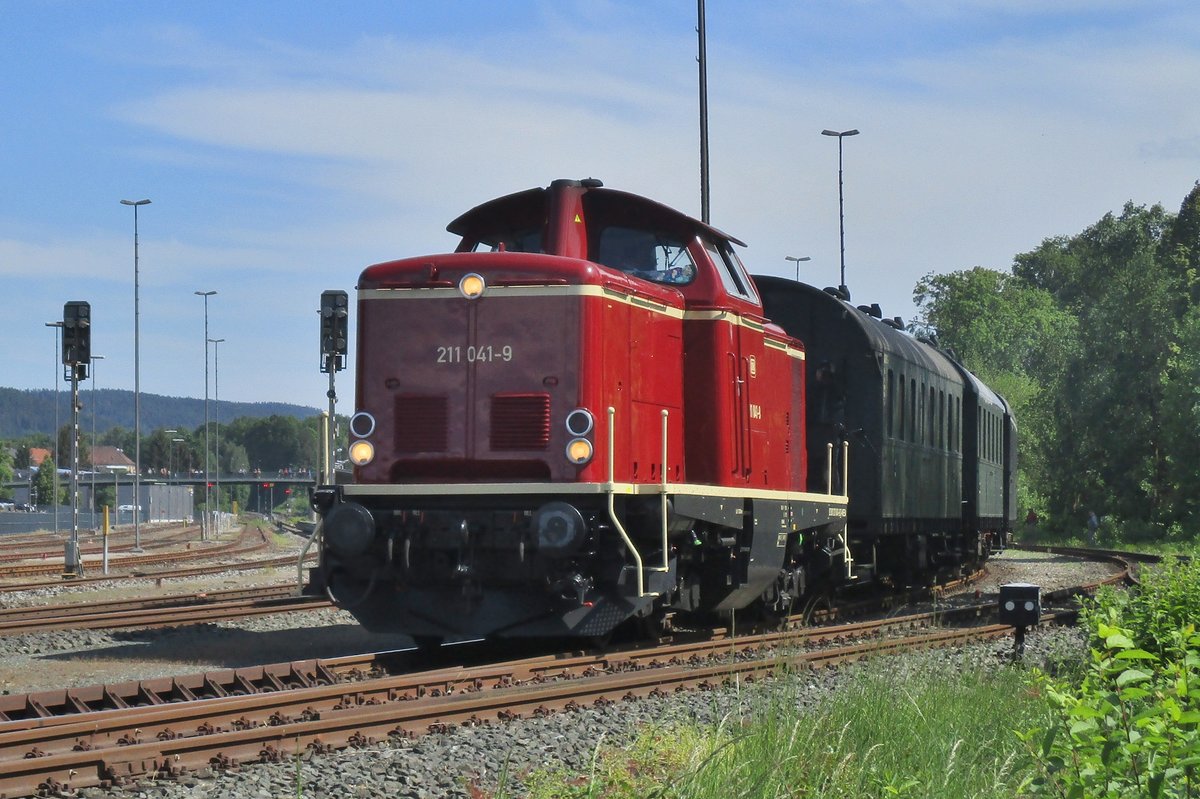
77 336
335 312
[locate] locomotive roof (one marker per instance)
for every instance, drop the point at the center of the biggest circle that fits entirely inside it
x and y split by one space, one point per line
530 203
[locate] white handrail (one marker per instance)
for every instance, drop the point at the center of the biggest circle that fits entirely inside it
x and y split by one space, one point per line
610 489
666 564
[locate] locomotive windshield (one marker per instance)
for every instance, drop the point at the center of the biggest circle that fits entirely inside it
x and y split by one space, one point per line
527 240
647 254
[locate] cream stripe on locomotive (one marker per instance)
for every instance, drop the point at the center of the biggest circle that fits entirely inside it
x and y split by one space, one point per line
654 306
690 489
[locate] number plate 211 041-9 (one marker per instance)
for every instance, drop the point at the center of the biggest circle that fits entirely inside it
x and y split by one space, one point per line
475 353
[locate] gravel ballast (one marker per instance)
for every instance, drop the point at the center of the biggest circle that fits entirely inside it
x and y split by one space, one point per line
442 765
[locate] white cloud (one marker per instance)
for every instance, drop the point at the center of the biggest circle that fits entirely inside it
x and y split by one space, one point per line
330 159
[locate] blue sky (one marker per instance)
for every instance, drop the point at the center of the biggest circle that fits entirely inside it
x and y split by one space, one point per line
287 145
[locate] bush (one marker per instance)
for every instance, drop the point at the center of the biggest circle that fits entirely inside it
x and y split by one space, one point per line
1131 726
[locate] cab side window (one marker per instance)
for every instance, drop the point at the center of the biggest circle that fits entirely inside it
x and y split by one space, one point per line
732 272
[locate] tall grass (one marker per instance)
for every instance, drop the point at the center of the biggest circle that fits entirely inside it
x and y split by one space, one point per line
942 730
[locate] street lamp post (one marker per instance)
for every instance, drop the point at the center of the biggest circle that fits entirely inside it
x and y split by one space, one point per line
171 453
797 260
216 342
116 517
171 463
93 453
841 205
205 518
57 329
137 387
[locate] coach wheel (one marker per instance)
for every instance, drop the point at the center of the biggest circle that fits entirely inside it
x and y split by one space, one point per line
817 606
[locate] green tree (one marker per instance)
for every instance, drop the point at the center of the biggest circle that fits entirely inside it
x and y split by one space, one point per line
275 442
64 447
1092 339
43 483
1017 339
1181 426
6 471
1180 252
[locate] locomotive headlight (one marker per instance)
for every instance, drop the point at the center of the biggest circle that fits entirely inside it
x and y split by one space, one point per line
362 453
579 451
580 422
472 286
362 424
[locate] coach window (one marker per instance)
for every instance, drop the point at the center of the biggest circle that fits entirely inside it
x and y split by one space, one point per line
900 407
891 401
941 420
958 433
954 422
991 438
932 414
913 436
987 435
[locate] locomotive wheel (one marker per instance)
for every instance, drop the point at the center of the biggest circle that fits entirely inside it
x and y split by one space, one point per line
773 614
652 626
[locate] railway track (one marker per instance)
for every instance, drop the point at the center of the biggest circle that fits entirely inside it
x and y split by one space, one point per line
190 571
54 565
163 611
272 713
108 735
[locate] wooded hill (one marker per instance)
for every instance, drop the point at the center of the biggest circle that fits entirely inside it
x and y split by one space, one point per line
28 412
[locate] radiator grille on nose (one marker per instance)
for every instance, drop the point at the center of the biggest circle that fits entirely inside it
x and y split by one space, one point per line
520 421
422 423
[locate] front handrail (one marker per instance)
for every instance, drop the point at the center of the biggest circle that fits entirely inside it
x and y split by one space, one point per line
610 490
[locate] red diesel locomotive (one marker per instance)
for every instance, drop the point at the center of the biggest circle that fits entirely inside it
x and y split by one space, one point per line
578 418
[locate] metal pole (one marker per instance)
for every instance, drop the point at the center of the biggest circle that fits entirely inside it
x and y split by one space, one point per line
205 517
137 386
703 65
92 503
841 220
330 422
57 328
75 567
797 260
105 523
841 207
216 342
